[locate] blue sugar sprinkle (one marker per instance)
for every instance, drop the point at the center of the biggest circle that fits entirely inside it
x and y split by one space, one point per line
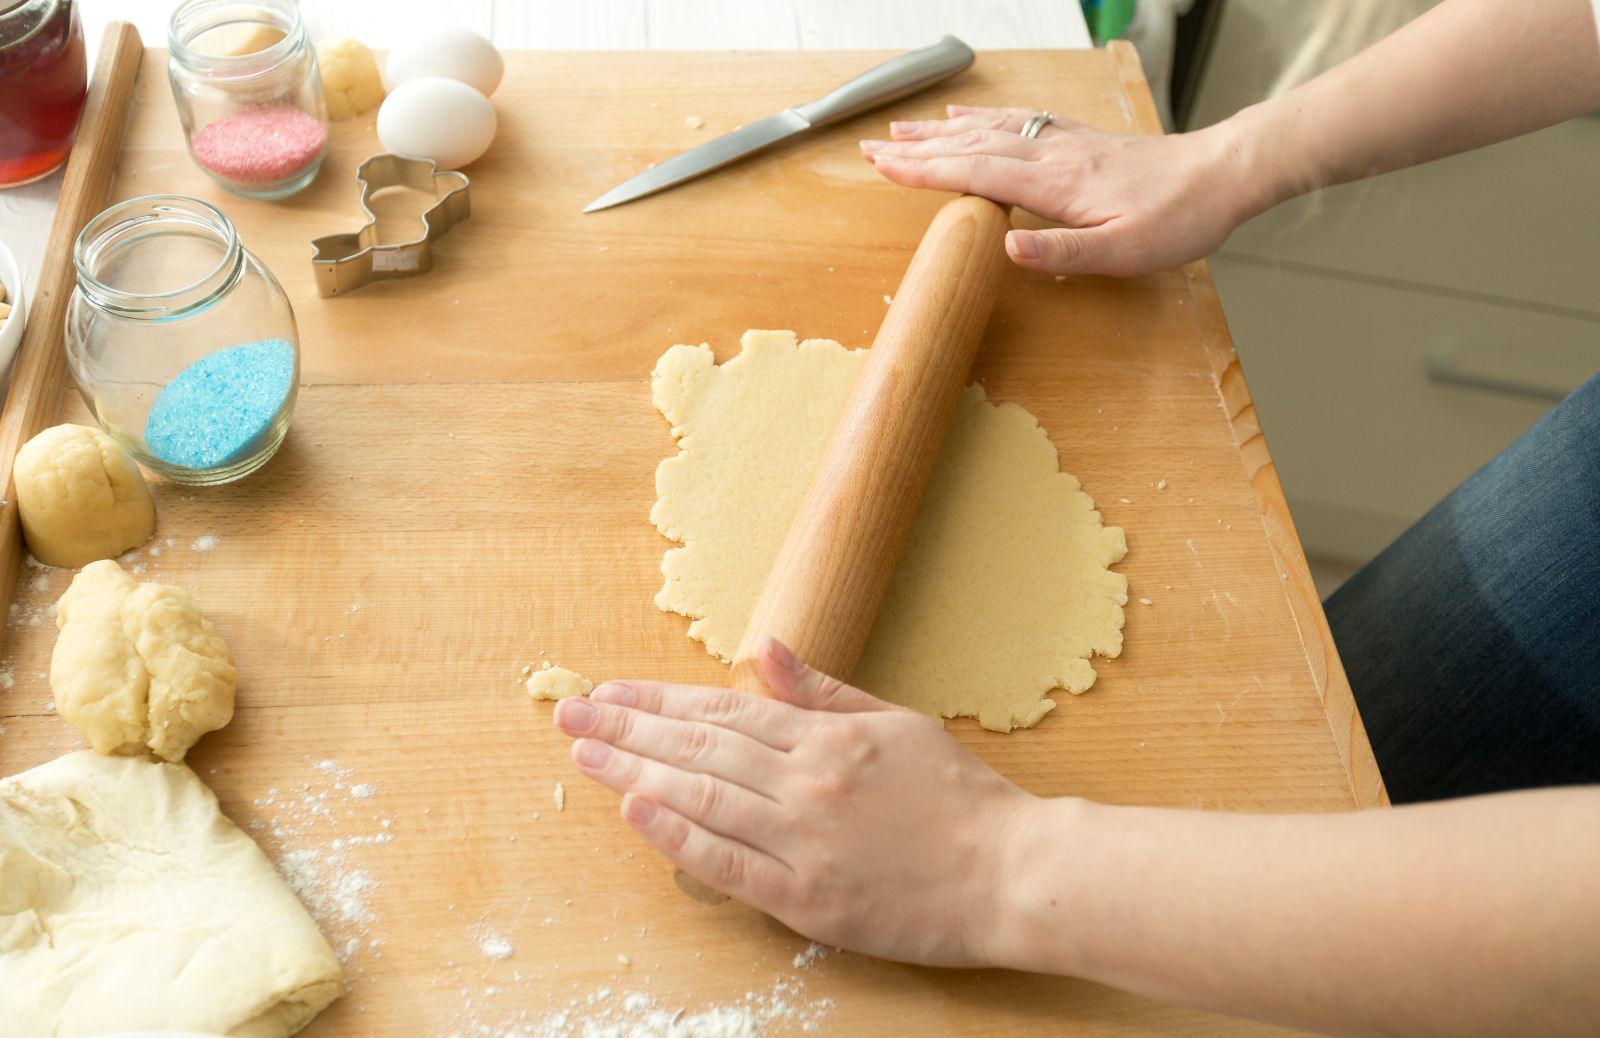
213 413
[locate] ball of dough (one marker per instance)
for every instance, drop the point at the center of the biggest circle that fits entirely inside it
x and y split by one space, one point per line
137 667
81 497
350 79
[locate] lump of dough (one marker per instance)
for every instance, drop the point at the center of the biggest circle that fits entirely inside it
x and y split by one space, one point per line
81 497
558 683
350 79
128 902
137 667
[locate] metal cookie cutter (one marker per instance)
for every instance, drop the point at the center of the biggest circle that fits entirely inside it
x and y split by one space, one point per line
345 262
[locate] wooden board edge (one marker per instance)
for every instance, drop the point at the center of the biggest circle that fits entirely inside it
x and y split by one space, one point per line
40 373
1322 657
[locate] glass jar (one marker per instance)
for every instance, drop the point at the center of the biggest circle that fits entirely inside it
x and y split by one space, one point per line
44 78
183 345
249 95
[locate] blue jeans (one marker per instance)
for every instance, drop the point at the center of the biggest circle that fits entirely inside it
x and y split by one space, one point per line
1473 642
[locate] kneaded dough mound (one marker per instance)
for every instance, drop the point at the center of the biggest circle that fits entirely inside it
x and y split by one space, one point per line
137 666
81 497
129 902
350 79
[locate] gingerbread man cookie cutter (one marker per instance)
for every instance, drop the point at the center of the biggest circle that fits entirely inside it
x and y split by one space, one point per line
343 263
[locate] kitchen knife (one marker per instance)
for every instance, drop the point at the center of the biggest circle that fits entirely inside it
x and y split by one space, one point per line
890 81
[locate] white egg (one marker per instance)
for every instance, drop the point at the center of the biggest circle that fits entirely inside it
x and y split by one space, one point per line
436 118
454 53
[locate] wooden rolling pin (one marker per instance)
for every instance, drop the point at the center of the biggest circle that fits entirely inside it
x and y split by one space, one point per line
831 574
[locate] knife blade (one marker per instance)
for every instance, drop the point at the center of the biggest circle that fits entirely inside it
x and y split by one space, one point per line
890 81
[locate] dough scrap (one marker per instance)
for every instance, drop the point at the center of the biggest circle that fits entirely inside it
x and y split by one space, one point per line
81 497
351 84
136 666
551 682
1003 591
129 902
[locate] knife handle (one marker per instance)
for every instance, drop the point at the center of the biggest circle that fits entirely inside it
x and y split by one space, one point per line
890 81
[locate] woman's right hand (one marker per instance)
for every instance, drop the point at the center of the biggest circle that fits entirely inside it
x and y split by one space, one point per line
1128 204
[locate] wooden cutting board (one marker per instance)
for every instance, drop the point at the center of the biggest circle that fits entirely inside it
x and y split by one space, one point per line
465 491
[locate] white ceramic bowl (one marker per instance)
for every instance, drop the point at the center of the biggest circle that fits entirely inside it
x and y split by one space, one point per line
11 329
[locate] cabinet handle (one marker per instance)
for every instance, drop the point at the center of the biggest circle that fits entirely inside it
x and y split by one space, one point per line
1452 366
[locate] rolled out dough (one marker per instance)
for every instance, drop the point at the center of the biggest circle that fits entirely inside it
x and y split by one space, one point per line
1003 591
128 902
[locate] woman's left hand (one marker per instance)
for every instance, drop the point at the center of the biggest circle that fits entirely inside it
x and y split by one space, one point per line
855 822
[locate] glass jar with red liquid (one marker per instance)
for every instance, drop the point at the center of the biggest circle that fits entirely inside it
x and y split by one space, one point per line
44 77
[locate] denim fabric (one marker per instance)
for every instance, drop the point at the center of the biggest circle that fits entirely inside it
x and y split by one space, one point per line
1473 642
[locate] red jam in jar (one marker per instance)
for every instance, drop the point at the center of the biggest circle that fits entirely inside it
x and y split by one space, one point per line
43 82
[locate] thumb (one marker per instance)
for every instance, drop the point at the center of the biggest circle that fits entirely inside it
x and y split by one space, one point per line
1064 250
792 681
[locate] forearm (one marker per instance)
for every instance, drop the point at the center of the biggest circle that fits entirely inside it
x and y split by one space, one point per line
1472 917
1465 74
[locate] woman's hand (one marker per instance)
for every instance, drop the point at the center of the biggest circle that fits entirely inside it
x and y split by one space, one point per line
852 821
1130 204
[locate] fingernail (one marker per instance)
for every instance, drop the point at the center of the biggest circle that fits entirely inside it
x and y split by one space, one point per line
958 109
782 656
868 147
574 714
591 753
615 693
1026 245
639 811
906 127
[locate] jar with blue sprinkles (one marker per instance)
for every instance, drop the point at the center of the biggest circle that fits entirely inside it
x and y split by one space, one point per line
182 343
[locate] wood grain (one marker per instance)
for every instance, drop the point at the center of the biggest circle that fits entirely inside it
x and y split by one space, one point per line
1299 588
466 489
41 367
833 569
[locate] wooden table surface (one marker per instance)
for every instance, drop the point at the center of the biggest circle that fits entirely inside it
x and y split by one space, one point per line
465 490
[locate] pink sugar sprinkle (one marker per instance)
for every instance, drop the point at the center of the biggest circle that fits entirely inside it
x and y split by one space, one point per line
257 147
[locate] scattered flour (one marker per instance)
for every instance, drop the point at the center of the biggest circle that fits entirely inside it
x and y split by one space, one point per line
205 542
807 958
781 1008
321 843
495 947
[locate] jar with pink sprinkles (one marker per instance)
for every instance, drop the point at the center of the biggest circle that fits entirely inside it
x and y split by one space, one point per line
249 95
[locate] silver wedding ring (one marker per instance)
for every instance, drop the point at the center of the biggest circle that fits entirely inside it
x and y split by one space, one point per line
1036 123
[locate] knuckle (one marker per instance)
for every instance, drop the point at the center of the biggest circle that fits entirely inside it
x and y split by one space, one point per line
969 139
694 743
723 710
705 796
726 867
828 787
616 724
673 839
